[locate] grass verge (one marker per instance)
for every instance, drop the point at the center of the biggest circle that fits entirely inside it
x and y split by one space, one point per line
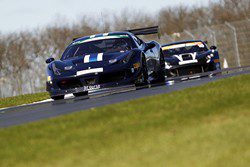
203 126
22 99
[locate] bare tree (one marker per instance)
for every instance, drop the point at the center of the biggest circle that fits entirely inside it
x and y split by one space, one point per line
22 55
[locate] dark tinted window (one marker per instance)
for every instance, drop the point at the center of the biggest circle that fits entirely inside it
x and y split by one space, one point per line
98 46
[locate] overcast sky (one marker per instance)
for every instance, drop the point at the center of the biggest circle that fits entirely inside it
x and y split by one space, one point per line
16 15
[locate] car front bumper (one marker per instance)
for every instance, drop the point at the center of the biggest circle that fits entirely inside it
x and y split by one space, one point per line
90 82
189 69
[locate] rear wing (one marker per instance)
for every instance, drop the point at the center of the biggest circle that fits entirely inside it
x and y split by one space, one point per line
142 31
75 38
145 31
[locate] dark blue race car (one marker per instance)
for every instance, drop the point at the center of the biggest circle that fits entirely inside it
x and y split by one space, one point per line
105 60
190 57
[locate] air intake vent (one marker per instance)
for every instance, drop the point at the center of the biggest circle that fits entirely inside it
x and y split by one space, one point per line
187 57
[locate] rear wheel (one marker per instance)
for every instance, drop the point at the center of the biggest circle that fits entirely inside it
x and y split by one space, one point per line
57 97
161 73
80 94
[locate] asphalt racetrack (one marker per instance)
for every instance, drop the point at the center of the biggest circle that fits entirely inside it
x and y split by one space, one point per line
34 112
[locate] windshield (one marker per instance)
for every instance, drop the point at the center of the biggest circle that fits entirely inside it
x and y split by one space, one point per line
177 49
89 46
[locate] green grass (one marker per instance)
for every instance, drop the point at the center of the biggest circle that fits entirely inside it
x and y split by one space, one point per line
206 126
22 99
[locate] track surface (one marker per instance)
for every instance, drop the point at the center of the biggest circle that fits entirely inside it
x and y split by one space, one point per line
24 114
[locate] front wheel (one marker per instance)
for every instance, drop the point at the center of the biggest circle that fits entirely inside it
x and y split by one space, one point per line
143 78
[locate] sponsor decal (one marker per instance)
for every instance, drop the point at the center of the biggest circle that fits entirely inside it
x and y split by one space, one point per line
91 87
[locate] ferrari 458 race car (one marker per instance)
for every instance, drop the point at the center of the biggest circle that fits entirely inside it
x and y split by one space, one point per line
105 60
189 57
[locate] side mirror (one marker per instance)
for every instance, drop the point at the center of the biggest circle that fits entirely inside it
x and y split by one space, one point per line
213 47
149 46
49 60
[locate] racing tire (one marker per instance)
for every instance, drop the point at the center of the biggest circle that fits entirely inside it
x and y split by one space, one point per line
144 74
161 73
57 97
80 94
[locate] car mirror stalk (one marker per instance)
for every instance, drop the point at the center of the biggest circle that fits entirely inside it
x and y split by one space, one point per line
213 47
149 46
49 60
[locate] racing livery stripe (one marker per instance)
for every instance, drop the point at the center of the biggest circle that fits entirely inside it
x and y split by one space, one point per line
179 57
188 62
89 71
86 59
200 44
93 58
99 56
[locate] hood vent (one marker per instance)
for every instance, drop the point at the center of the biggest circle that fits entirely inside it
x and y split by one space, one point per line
187 57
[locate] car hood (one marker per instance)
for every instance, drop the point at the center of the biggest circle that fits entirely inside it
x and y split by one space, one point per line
186 56
95 60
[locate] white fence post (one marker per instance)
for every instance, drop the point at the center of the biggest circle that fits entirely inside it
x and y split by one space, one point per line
214 35
236 43
189 33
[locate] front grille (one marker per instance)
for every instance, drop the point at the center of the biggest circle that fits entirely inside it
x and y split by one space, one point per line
90 81
69 84
189 70
187 57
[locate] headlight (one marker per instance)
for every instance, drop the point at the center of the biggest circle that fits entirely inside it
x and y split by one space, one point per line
127 58
124 60
56 70
209 57
112 61
68 68
48 78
